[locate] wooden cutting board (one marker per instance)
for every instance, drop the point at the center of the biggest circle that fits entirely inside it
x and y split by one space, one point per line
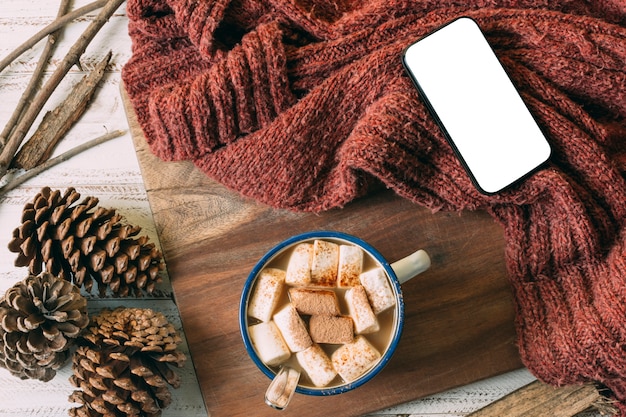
459 314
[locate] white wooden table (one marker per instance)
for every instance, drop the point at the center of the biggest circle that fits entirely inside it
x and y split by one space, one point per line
111 173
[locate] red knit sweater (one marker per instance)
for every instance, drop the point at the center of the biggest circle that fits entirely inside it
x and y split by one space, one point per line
304 104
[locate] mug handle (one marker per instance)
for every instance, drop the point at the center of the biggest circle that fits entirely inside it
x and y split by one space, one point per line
282 388
412 265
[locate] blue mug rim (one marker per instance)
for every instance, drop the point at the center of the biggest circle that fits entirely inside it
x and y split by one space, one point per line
322 234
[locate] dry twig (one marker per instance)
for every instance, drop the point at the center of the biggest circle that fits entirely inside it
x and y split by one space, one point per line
72 57
58 159
35 80
57 122
52 27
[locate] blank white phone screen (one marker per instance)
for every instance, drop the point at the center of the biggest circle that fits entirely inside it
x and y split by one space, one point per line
476 104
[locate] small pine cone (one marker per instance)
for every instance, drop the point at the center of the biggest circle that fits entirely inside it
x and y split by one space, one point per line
85 244
122 364
40 318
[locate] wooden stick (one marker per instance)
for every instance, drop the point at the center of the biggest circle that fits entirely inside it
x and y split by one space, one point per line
538 399
70 59
58 159
28 93
52 27
56 123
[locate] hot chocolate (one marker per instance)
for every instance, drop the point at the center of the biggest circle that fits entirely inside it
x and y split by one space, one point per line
331 301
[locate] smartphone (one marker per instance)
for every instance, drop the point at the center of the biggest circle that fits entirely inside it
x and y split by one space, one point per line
479 110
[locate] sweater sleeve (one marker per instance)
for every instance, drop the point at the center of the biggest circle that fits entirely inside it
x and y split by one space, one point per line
241 92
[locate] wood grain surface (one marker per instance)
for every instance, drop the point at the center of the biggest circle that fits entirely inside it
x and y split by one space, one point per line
459 314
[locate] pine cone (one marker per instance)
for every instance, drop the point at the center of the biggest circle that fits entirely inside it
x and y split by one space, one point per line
40 317
85 246
122 364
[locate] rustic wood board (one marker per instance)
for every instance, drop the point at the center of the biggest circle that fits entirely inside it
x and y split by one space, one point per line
459 314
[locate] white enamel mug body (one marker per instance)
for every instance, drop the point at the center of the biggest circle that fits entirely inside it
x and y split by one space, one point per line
398 272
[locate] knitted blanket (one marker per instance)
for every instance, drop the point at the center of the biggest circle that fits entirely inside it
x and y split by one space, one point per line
304 105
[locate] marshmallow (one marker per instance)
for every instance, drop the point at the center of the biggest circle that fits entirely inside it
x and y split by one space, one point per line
378 290
314 301
292 328
365 320
353 359
299 266
331 329
269 343
267 292
324 263
350 266
317 365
